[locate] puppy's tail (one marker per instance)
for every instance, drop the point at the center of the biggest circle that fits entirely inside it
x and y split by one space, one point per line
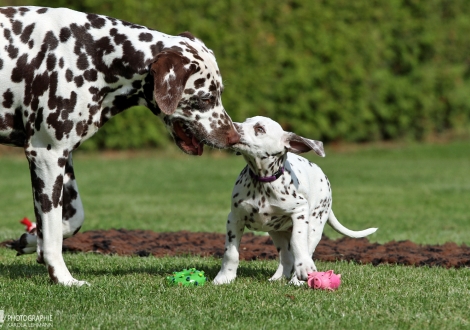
336 225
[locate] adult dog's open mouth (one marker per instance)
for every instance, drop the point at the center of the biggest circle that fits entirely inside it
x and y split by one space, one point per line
185 139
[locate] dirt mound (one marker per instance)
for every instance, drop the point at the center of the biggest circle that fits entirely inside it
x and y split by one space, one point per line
144 243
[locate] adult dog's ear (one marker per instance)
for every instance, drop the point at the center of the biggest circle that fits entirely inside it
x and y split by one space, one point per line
297 144
170 77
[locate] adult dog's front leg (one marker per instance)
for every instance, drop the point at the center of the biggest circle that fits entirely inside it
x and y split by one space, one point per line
299 243
47 169
230 262
72 214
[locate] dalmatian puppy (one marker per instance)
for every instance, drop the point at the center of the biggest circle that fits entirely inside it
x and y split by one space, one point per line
64 74
280 193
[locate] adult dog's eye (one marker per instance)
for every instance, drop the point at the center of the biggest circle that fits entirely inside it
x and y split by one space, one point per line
259 129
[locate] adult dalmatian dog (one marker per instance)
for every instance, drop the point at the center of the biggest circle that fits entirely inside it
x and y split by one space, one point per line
64 74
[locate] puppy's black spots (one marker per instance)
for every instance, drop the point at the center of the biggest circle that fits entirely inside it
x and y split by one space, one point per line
230 236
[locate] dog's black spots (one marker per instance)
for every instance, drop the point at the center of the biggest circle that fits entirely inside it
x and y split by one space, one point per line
82 62
96 21
300 217
12 51
40 258
8 12
8 99
199 83
45 202
91 75
52 274
57 190
64 35
300 264
230 236
147 37
235 204
68 196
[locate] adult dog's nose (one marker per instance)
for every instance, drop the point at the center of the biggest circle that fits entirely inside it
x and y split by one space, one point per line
233 137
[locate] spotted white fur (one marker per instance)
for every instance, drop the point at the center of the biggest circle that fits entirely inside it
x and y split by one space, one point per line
293 207
64 74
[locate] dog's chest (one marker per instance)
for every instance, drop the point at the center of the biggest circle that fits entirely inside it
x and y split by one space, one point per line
264 206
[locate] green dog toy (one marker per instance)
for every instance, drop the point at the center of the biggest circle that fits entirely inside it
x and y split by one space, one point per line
188 277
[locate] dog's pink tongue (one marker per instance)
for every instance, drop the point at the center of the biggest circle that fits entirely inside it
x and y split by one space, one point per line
199 146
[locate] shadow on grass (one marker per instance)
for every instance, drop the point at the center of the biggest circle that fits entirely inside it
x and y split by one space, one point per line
161 267
16 271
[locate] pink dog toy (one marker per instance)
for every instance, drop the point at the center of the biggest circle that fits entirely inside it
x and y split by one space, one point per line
30 226
324 280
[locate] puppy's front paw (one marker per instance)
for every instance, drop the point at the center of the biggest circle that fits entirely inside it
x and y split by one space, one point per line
303 267
223 278
295 281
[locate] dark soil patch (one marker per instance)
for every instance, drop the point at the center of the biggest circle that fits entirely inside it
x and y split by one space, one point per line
144 243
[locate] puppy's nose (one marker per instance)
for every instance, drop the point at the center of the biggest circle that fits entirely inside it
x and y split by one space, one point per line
233 137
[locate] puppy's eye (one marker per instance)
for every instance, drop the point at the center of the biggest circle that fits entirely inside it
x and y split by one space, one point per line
259 129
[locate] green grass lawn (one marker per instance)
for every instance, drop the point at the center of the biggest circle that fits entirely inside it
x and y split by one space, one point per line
417 192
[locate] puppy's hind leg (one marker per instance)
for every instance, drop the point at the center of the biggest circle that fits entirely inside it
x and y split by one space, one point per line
281 240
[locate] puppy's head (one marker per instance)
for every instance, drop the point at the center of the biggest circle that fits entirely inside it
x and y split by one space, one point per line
187 90
262 138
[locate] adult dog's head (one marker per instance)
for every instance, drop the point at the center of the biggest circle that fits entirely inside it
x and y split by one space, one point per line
187 89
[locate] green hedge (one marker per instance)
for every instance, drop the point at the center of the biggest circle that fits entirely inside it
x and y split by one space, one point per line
353 70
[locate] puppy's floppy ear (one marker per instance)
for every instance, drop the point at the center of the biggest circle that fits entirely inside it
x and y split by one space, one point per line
170 77
297 144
